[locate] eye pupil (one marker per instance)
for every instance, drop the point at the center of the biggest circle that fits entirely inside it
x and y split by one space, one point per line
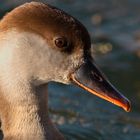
60 42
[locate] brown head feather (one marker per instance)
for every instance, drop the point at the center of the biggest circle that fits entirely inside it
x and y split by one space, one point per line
44 19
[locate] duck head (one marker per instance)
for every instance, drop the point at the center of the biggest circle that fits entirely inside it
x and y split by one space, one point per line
54 46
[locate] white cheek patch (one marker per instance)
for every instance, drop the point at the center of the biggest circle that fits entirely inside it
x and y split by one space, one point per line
17 48
19 55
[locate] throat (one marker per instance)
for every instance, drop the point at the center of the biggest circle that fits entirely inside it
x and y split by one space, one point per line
28 118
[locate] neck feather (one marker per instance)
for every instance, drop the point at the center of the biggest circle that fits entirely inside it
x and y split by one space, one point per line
27 117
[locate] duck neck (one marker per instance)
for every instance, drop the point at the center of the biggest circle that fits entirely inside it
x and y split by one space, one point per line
26 116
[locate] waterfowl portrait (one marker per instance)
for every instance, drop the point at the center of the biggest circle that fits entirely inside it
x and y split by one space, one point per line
38 44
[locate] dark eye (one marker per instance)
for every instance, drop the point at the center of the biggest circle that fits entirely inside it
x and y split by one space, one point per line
61 42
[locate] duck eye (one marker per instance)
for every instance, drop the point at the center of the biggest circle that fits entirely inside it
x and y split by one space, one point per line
60 42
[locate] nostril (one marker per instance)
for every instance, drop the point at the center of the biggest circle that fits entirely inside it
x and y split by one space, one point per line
96 76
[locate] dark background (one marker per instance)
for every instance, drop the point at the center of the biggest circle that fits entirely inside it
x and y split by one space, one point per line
114 26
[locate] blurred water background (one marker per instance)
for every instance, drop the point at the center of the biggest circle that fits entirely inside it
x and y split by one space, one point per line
114 26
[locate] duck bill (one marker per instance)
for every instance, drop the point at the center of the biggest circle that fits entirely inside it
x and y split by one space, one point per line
89 77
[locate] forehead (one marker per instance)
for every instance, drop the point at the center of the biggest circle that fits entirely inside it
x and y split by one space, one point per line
47 21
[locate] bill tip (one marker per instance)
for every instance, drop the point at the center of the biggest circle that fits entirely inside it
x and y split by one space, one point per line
127 108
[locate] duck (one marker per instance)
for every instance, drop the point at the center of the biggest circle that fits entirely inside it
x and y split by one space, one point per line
40 43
